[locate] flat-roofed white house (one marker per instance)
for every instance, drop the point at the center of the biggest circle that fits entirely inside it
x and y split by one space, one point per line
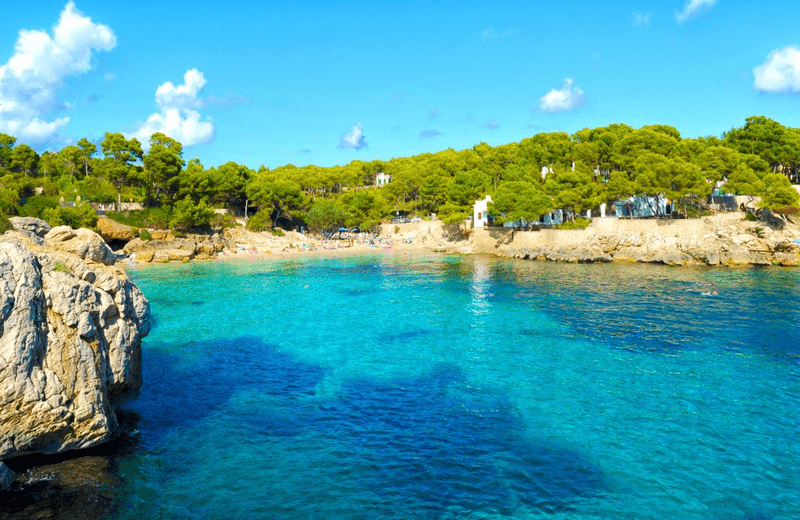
382 179
480 216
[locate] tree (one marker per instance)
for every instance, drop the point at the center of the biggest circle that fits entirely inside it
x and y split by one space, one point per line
326 216
283 198
6 149
519 200
121 156
778 193
25 160
69 161
189 215
230 181
574 190
162 166
770 140
88 149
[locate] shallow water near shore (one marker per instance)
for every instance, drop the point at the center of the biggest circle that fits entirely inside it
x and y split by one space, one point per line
414 386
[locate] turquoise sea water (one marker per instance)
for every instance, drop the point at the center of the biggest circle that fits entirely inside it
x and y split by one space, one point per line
410 387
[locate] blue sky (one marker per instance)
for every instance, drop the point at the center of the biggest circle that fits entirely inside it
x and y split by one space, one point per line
272 83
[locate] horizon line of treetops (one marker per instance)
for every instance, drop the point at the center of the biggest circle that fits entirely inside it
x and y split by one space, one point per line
525 179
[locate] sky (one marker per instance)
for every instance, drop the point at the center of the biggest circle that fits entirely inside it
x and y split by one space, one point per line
326 82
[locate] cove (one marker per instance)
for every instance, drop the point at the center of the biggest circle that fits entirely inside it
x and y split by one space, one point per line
430 386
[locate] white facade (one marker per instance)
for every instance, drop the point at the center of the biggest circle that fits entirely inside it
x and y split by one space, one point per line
479 216
382 179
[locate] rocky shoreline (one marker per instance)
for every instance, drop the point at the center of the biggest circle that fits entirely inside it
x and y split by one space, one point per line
727 239
71 326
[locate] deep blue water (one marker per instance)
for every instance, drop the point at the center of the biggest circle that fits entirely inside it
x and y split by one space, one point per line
448 387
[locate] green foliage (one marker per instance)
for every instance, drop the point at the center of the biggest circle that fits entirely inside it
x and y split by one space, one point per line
610 163
37 205
80 216
6 150
224 221
189 216
778 192
162 167
578 223
5 224
259 222
145 235
61 267
519 200
9 200
286 199
97 190
155 218
278 232
326 216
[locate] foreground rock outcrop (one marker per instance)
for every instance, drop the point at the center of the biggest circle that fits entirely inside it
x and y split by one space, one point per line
71 325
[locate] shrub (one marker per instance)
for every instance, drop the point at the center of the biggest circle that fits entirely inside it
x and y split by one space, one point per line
145 235
278 232
82 216
36 206
5 224
578 223
157 218
259 222
188 215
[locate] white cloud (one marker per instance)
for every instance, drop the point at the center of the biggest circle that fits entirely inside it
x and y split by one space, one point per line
429 132
177 116
641 19
33 77
567 98
694 8
491 124
780 73
355 139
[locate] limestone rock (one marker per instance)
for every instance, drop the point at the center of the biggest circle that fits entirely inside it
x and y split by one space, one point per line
30 225
70 343
112 230
176 250
87 244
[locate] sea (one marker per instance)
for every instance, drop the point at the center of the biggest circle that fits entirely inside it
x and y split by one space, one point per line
428 386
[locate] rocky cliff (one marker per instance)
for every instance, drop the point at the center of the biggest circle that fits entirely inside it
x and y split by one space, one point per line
726 239
71 325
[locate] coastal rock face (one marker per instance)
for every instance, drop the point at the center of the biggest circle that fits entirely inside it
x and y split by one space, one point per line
176 250
727 239
113 230
71 325
84 243
31 226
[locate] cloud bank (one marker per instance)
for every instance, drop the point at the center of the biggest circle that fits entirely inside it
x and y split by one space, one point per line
33 77
694 8
178 116
565 99
355 139
780 74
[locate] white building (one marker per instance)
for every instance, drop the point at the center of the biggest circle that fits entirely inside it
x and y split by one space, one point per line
480 216
382 179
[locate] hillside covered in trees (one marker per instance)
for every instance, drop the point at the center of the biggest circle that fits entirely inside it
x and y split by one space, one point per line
581 171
